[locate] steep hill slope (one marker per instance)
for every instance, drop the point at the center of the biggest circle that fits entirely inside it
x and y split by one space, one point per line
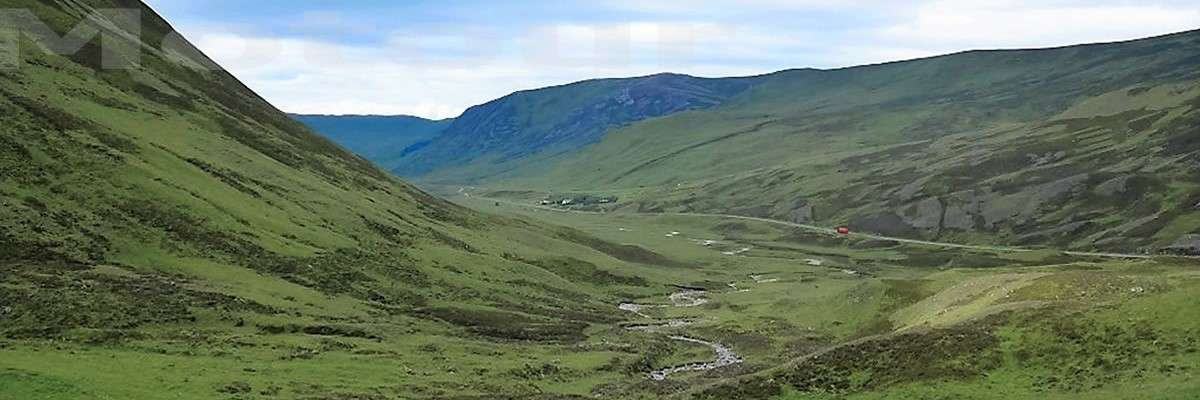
488 138
383 139
1085 146
164 216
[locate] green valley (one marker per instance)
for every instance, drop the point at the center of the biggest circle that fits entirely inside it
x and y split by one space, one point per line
1020 232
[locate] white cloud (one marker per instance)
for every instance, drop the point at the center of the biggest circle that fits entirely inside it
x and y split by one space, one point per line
962 24
718 7
309 76
408 76
438 71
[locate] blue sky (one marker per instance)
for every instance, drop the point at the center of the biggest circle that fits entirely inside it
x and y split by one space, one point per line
436 58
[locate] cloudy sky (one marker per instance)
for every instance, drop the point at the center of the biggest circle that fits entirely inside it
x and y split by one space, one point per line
436 58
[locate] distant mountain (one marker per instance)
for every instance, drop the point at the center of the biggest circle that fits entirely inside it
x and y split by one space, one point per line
485 138
1091 146
382 139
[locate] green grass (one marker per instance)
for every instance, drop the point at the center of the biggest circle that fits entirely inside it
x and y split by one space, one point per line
1143 347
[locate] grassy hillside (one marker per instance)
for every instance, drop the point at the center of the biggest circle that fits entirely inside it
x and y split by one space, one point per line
1133 346
380 138
166 233
1087 146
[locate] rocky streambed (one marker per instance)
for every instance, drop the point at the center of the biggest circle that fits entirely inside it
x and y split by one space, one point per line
724 358
723 355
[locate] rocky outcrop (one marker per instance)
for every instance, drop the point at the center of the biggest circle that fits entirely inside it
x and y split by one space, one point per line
997 208
976 208
887 224
925 214
957 217
802 212
1186 245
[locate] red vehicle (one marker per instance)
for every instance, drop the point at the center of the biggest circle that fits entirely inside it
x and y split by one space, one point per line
843 230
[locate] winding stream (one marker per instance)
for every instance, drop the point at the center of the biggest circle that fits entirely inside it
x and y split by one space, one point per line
724 356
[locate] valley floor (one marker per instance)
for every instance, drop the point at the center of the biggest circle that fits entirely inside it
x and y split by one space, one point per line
750 310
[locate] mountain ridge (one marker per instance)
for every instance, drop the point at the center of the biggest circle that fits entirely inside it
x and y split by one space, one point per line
528 122
782 148
419 166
